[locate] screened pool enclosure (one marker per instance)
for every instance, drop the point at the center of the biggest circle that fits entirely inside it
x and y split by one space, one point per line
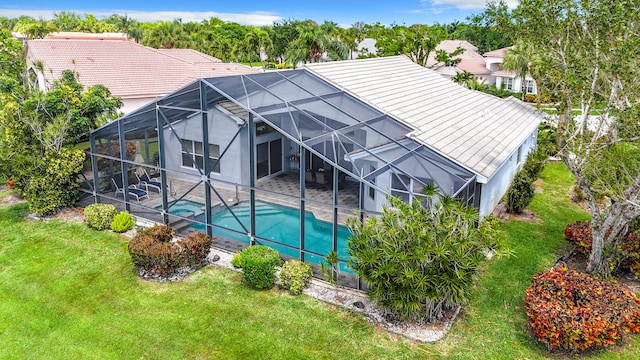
277 158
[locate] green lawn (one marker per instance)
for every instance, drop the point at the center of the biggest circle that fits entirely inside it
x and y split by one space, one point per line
70 292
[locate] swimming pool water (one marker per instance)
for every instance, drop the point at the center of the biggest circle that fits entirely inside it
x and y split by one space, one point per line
276 223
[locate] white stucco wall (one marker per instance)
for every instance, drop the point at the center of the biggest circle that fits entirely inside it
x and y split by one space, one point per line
498 184
222 129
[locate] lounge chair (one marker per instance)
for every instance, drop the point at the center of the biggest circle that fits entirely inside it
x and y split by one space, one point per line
133 191
148 182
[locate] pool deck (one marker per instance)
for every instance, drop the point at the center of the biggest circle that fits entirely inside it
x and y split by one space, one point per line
283 189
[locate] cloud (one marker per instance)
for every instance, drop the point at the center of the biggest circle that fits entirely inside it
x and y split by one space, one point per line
466 4
257 18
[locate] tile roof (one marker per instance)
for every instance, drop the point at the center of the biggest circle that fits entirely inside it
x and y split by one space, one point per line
475 129
190 55
470 51
499 53
128 69
474 66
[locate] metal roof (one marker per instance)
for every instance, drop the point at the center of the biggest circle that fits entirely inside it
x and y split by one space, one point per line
477 130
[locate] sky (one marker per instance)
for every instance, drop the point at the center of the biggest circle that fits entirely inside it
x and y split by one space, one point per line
344 12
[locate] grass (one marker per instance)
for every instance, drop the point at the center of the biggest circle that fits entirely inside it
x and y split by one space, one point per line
70 292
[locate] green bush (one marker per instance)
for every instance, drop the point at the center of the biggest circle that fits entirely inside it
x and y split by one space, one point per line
150 250
295 276
421 262
259 266
573 312
535 163
122 222
520 193
195 248
55 185
99 216
236 262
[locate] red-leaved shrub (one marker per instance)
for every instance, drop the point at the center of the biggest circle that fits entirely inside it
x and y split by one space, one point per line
579 234
154 251
573 312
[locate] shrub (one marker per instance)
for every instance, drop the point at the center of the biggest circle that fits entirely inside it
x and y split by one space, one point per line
122 222
535 163
236 262
573 312
55 183
520 193
195 248
295 276
579 234
163 233
259 266
150 250
99 216
154 256
420 262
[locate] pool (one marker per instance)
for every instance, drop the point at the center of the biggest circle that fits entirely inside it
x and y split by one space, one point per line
278 224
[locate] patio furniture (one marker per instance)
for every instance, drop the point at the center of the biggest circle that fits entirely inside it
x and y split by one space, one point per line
137 193
148 182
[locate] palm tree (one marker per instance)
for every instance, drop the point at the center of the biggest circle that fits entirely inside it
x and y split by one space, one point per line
518 59
255 42
312 42
463 78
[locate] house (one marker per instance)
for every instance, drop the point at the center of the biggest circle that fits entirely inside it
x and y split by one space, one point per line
136 73
282 158
470 60
509 79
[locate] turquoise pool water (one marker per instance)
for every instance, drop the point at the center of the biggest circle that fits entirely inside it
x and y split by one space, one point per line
276 223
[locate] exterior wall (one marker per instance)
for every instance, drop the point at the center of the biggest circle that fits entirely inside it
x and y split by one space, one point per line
493 63
517 83
222 129
128 105
498 184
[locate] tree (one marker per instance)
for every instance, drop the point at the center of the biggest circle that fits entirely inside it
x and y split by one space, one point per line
415 41
66 21
38 131
518 59
164 35
590 50
420 261
312 42
492 29
463 77
255 42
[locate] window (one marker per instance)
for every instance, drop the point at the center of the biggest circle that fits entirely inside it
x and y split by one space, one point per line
508 83
520 154
372 190
408 189
193 155
529 87
263 128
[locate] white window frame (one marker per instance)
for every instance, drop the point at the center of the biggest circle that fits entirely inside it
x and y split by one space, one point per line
530 86
508 83
195 151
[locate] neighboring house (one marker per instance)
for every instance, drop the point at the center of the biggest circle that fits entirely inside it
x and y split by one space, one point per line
470 61
283 158
366 48
509 79
136 73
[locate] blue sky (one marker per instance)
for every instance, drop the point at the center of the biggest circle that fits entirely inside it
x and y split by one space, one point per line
343 12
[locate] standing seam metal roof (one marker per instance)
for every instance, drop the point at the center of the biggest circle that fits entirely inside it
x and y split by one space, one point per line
478 130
